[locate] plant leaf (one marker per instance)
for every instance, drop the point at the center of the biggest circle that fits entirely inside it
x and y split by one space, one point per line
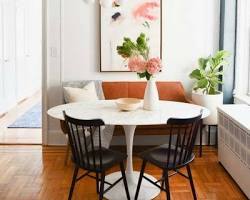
218 73
142 75
203 63
222 54
212 90
196 74
202 83
210 71
127 49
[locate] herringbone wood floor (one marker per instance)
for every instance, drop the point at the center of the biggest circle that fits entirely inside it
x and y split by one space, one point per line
33 172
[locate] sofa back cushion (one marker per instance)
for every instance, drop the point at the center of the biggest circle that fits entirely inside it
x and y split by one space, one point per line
87 93
115 90
170 91
83 83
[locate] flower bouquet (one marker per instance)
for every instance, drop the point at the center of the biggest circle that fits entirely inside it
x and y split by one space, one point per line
137 56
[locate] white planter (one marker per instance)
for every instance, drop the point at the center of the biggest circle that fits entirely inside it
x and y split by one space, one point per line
151 96
211 102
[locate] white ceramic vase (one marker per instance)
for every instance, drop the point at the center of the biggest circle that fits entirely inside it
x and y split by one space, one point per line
151 96
211 102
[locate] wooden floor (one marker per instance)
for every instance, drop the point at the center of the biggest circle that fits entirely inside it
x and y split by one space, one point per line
20 135
33 172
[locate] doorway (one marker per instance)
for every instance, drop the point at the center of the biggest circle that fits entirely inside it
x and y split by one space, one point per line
20 71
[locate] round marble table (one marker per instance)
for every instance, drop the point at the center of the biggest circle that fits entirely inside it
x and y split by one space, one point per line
111 115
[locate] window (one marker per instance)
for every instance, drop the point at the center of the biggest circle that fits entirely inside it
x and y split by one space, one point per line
242 70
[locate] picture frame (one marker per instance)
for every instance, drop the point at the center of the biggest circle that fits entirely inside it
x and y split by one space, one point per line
143 15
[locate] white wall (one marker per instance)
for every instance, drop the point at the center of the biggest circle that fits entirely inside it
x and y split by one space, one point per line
190 30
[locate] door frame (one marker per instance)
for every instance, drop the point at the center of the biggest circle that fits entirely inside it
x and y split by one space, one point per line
44 74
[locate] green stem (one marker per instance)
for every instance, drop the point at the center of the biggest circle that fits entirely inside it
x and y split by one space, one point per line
148 76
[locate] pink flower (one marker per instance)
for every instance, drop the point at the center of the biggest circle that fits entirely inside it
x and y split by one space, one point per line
154 65
137 64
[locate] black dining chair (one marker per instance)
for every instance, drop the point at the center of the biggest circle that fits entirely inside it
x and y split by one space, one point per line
175 154
90 156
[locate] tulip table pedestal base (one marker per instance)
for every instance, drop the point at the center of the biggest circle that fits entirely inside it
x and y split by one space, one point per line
147 191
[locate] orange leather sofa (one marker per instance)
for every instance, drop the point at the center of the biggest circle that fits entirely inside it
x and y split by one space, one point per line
169 91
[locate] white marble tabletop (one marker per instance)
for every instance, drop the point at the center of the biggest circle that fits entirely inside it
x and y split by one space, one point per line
111 115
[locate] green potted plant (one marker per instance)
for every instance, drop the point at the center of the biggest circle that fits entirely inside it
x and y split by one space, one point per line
208 76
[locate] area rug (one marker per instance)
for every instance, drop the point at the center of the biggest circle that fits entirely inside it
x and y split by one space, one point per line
31 119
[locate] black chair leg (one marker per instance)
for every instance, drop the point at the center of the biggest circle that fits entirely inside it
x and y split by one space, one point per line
73 183
124 180
216 136
167 185
97 183
201 126
191 181
163 180
140 179
102 186
209 135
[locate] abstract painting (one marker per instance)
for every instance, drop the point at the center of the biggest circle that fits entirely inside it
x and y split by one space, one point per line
129 20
